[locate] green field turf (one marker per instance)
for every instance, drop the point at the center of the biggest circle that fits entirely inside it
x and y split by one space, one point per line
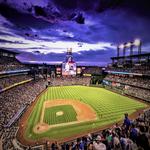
110 108
68 116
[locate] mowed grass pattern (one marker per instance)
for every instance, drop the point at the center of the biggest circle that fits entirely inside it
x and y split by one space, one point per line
110 108
69 114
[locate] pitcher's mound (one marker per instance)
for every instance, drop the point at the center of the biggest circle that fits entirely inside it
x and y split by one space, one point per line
59 113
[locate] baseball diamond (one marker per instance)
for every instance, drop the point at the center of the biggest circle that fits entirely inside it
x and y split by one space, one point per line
66 111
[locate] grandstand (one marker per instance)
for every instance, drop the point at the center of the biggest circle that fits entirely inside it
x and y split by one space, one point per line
9 62
130 74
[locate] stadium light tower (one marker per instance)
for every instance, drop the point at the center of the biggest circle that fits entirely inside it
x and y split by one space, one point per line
118 51
130 45
137 42
124 50
122 46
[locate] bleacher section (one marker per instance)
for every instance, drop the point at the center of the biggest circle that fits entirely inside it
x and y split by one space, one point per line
136 86
6 82
70 81
129 80
17 91
15 117
92 70
12 104
8 63
133 80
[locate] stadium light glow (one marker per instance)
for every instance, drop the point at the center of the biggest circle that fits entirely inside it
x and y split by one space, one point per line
137 42
121 46
128 44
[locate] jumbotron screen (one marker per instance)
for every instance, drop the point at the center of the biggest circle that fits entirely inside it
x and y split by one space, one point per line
69 68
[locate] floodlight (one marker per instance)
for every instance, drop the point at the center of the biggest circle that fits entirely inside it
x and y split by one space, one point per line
128 44
137 42
121 46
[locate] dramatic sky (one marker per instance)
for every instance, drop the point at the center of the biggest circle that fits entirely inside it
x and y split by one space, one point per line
42 30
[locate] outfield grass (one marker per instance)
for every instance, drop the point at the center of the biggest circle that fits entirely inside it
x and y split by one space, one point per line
110 107
69 114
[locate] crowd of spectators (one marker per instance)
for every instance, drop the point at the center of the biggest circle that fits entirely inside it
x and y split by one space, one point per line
8 63
64 81
138 87
8 81
11 101
92 70
7 136
131 135
126 79
138 92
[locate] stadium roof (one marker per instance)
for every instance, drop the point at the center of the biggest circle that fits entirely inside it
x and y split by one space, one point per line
133 56
8 51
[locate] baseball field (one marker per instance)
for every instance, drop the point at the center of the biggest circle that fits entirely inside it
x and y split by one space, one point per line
67 111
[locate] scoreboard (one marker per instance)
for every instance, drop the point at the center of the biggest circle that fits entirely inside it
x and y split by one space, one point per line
69 67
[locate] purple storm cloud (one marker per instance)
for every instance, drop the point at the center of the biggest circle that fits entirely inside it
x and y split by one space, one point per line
42 30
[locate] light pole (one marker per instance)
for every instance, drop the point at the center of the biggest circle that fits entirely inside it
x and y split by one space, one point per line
118 51
130 45
137 42
122 46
